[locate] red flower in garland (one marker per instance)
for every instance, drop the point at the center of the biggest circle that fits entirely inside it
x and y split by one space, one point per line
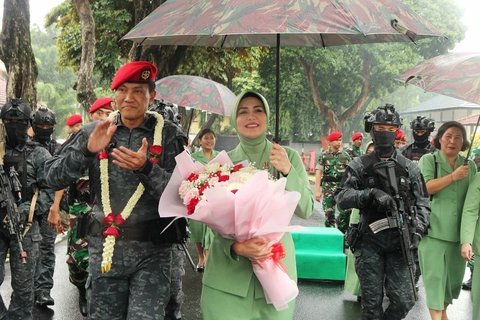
155 151
102 155
113 221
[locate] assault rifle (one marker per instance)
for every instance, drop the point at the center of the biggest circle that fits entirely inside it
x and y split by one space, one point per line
7 203
401 219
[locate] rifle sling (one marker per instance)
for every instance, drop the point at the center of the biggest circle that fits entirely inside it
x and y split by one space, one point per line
31 212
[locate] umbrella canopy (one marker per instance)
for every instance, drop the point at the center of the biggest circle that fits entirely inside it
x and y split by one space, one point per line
456 75
246 23
196 92
313 23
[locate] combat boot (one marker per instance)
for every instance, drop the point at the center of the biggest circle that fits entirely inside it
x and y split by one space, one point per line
82 301
44 299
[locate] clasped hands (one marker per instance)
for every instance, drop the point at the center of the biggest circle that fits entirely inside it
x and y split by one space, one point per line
255 249
122 156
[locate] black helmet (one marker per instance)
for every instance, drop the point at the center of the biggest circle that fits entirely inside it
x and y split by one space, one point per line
43 115
382 115
422 123
16 110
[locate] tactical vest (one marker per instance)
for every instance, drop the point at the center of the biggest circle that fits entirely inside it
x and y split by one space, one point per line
414 153
18 160
373 180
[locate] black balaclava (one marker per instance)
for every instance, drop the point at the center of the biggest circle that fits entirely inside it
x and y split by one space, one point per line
384 142
16 118
16 134
42 135
421 141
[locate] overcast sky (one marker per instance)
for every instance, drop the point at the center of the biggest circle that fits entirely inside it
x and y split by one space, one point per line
39 8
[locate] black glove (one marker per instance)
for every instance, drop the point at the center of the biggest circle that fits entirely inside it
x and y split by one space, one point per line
382 200
415 241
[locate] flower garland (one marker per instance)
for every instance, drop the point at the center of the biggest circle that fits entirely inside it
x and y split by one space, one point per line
114 220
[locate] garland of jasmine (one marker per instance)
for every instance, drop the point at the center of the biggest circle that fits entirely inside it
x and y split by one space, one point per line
112 220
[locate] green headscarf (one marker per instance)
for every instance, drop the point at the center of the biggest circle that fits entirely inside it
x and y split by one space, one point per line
255 150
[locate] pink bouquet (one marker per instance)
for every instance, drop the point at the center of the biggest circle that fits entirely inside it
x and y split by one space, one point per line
239 202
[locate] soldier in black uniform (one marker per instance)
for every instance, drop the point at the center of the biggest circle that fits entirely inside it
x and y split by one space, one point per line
379 263
27 158
421 130
43 122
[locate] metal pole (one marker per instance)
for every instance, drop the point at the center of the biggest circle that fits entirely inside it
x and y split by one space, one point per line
471 143
277 92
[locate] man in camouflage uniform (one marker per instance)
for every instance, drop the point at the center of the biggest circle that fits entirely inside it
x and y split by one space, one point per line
329 172
138 284
355 150
27 158
379 260
43 122
421 130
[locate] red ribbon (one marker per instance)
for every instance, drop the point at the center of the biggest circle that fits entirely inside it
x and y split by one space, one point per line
111 231
278 252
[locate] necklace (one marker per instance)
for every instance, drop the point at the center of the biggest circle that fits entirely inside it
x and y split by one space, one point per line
265 165
114 220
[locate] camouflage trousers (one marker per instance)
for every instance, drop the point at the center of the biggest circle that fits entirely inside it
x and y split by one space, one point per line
46 261
329 205
137 286
380 266
173 308
21 301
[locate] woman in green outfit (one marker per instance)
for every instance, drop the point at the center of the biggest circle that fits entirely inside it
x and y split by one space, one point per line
470 238
230 289
202 235
447 180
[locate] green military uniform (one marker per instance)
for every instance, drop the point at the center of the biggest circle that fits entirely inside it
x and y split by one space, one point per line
443 281
333 166
230 289
354 152
470 233
199 232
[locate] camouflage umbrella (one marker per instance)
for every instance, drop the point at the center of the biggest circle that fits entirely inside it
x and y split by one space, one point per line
456 75
196 92
246 23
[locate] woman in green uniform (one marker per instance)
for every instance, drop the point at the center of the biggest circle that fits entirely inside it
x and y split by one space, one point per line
447 180
230 289
470 238
202 235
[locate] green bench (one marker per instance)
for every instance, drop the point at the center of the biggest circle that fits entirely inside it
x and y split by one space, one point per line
319 253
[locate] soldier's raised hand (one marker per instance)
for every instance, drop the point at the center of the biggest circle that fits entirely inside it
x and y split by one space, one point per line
129 159
101 136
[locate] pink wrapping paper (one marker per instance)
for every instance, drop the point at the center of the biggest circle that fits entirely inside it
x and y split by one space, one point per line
260 207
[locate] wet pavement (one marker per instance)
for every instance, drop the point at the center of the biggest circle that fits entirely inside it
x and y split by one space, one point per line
317 299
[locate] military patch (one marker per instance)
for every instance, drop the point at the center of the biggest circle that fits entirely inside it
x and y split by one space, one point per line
145 74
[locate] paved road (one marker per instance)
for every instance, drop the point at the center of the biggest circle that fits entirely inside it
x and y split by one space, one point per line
317 299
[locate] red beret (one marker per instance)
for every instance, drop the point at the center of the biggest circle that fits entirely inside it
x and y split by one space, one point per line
399 135
357 135
335 135
103 102
74 119
135 71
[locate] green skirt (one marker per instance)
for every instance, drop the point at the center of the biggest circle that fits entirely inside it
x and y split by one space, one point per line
199 232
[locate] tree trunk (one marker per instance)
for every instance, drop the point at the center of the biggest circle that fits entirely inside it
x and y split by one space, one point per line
84 86
334 122
16 52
